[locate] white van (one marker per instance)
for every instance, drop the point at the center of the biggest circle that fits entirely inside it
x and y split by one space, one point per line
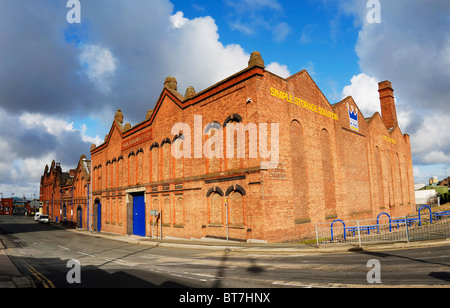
37 216
44 219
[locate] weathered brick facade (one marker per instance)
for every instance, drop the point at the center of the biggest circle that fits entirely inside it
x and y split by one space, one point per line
333 162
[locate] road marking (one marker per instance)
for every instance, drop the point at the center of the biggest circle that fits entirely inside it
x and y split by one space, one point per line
63 247
292 284
86 254
47 283
187 277
203 275
118 262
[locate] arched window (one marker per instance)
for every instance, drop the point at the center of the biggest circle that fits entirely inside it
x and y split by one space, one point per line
178 163
215 205
131 168
328 175
166 211
379 177
232 160
398 167
299 173
232 118
166 159
216 208
179 210
236 205
213 147
154 162
139 167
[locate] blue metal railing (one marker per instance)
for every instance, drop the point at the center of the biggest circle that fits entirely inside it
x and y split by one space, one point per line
406 220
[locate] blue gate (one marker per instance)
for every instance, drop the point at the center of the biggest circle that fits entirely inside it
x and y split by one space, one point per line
139 214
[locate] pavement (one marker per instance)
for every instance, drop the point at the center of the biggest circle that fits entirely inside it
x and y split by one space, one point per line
10 277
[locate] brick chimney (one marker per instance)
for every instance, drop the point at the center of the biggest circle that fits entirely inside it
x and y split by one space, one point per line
388 111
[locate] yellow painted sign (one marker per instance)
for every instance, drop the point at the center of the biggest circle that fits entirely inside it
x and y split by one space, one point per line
302 103
390 140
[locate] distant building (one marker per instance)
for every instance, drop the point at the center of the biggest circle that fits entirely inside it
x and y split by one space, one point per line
21 206
6 206
433 180
65 195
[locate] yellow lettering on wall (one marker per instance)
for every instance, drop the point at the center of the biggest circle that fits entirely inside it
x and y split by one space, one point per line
301 103
390 140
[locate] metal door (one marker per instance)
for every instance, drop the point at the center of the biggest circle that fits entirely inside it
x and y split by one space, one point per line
139 214
99 217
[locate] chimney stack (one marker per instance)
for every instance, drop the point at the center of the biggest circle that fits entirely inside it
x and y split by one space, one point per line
388 111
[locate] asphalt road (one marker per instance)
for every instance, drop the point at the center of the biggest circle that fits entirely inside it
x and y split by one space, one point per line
43 252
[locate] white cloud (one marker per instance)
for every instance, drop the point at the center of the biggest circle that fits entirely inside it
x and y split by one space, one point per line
431 139
255 5
410 48
100 66
86 138
51 124
280 32
57 127
198 57
253 16
364 90
30 168
178 20
279 69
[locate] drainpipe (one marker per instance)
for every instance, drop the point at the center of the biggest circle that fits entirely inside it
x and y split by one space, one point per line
87 206
71 214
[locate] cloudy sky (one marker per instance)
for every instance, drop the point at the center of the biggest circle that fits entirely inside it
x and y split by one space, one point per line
61 83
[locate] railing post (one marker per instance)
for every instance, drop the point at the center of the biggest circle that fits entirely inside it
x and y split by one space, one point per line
317 236
406 225
359 234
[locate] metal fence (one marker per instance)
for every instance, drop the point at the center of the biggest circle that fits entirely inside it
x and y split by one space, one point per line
425 225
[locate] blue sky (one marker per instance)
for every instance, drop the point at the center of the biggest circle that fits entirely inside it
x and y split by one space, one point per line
312 35
63 82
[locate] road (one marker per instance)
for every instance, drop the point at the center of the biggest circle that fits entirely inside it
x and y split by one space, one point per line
43 252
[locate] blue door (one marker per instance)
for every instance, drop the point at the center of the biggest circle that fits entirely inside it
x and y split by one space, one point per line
99 217
139 214
79 217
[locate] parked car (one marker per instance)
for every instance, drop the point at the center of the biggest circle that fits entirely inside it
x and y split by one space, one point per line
37 216
44 219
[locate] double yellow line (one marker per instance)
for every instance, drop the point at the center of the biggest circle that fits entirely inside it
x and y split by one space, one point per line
44 280
40 277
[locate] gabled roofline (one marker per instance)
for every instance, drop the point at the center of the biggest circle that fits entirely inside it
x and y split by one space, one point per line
183 103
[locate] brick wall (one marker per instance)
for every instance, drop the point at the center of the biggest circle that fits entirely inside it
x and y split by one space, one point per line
329 167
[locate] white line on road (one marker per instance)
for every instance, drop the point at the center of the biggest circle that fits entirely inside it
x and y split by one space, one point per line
292 284
187 277
63 247
118 262
85 254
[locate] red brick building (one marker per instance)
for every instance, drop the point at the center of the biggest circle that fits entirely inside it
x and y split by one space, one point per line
6 207
327 162
65 195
